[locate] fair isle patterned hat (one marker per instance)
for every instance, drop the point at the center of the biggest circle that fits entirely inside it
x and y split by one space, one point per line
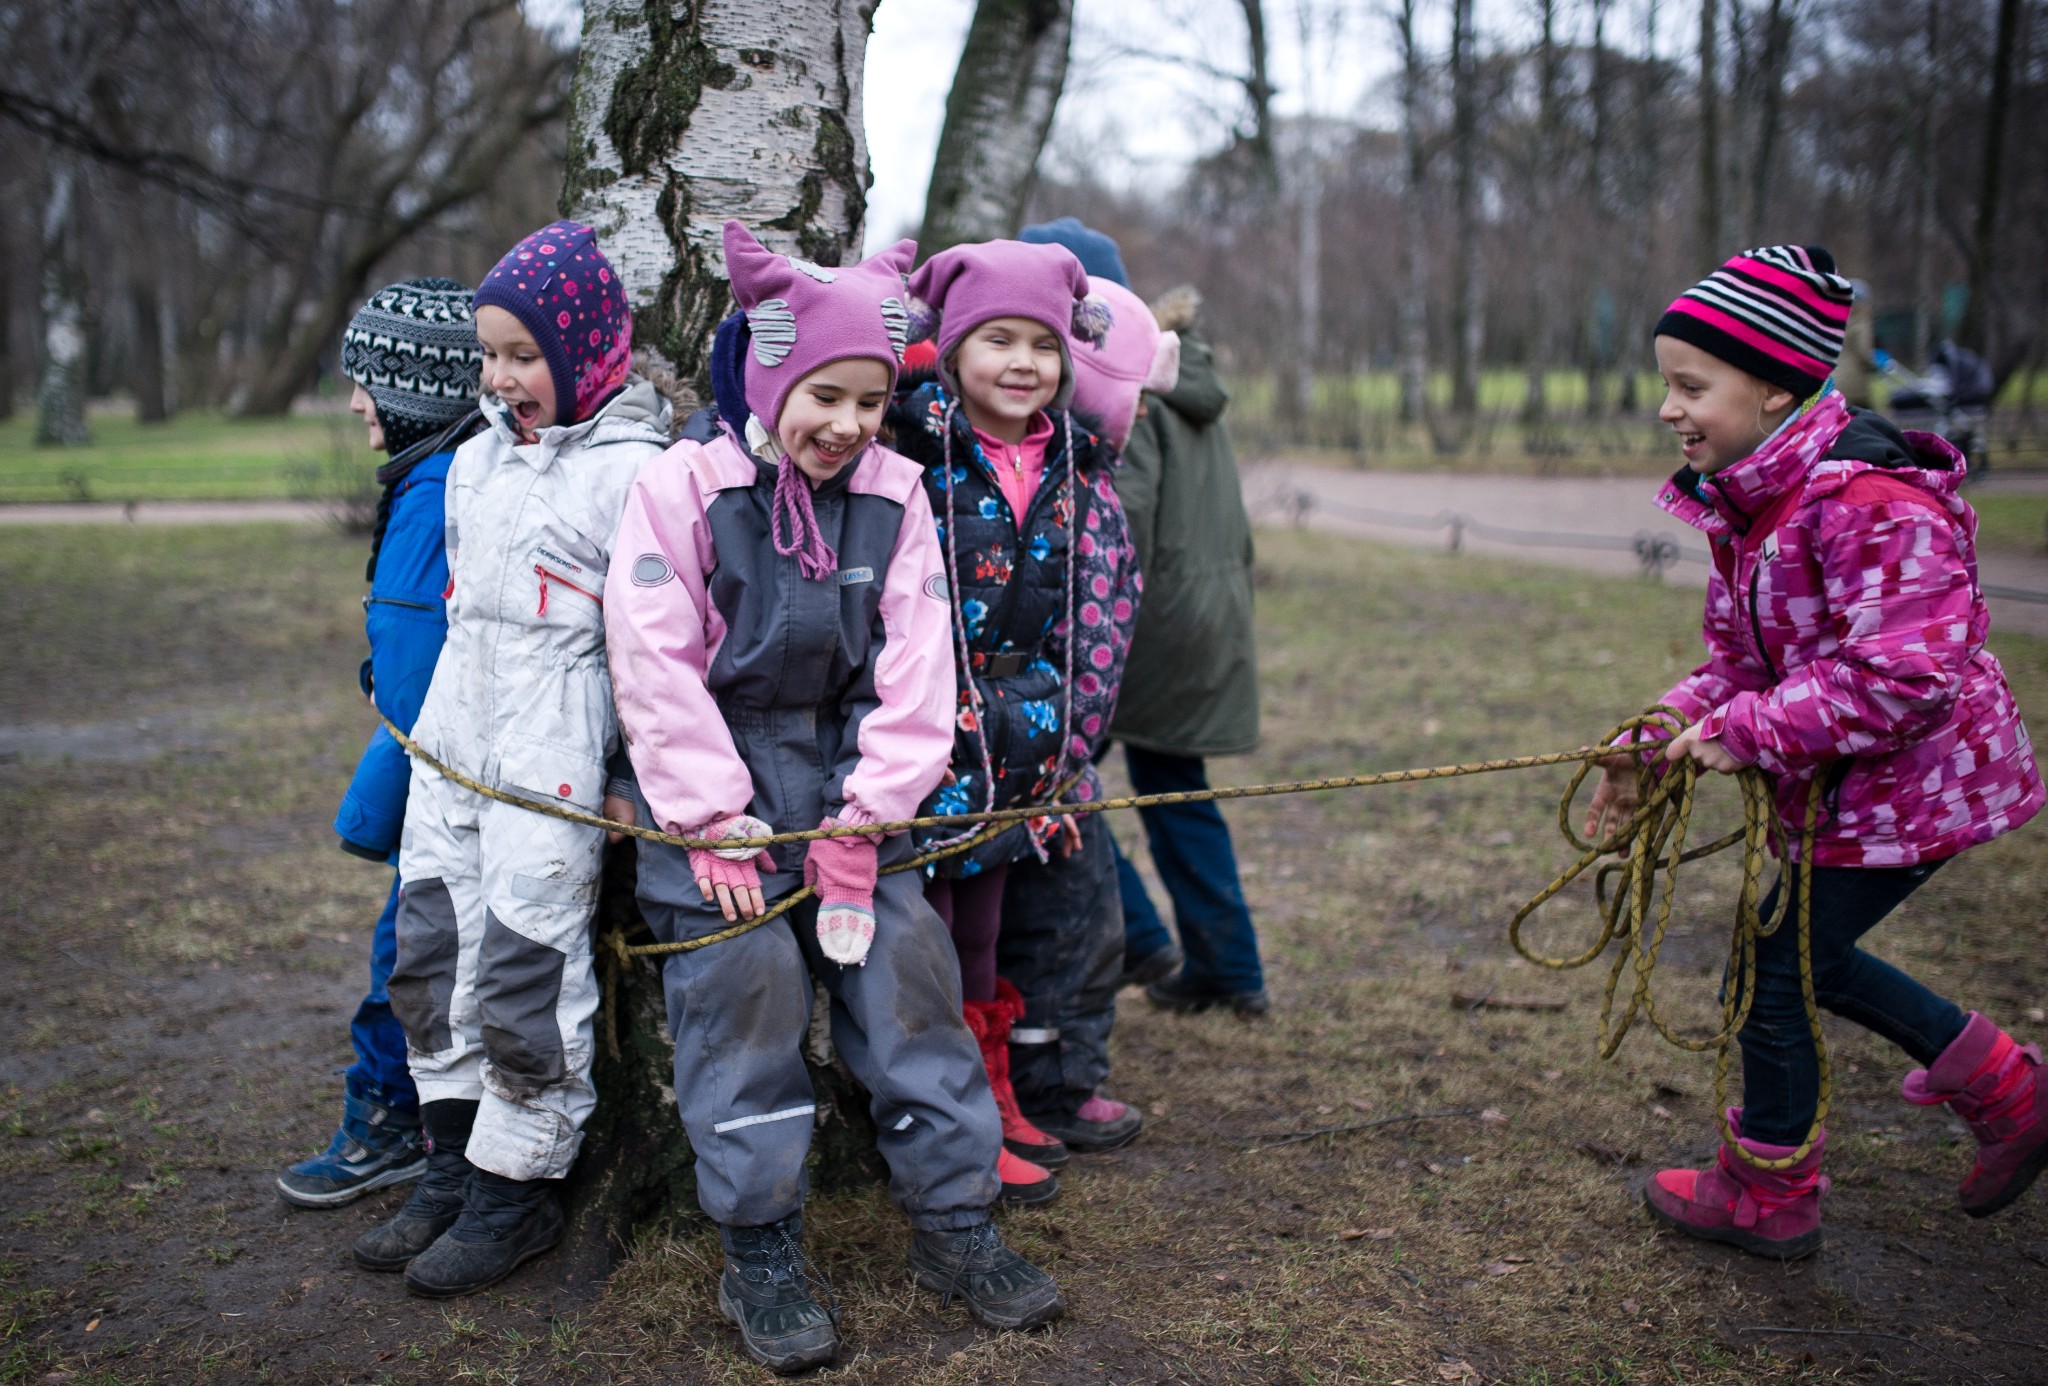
801 316
1778 312
413 347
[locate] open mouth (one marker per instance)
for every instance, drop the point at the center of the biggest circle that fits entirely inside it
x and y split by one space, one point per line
527 412
1689 443
832 455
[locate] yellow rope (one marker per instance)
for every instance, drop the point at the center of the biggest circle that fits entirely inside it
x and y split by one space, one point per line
1652 841
1636 908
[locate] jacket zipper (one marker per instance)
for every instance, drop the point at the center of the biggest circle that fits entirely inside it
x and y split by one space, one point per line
545 573
395 601
1756 625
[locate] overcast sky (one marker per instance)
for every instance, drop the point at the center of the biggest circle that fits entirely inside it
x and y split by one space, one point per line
1142 97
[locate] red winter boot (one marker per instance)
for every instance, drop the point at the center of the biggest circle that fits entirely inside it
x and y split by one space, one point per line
1771 1212
991 1022
1990 1082
1023 1181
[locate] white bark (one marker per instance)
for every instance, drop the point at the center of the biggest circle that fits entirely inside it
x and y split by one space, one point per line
747 109
1414 226
60 384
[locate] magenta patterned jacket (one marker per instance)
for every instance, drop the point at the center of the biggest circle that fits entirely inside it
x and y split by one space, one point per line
1845 640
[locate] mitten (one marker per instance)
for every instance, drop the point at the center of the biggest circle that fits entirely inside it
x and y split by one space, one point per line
732 867
842 871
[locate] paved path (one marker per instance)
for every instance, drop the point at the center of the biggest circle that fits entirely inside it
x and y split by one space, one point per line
1597 524
168 513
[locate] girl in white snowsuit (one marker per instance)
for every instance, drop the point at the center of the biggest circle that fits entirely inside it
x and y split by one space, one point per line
494 982
779 637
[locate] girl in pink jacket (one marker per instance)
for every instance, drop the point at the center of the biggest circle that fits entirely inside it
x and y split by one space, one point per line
781 653
1845 656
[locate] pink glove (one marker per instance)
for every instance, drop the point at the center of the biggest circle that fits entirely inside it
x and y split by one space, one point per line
842 870
728 875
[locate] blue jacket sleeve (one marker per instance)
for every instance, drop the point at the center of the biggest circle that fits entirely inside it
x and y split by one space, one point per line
406 621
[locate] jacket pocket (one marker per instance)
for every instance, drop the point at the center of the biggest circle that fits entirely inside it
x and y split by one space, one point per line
551 771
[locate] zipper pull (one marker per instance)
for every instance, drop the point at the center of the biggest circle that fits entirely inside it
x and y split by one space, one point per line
542 573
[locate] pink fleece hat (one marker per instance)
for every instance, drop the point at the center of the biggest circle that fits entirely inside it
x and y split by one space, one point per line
962 287
1134 357
802 316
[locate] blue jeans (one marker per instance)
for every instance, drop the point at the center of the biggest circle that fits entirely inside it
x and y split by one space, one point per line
1780 1066
1191 847
379 1071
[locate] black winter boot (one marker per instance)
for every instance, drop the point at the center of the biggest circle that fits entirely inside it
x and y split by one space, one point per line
504 1224
1001 1288
437 1197
766 1290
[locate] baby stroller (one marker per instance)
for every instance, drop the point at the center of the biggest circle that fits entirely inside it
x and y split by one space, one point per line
1952 397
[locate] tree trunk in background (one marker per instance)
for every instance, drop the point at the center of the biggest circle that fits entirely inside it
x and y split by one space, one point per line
146 367
998 114
1535 404
1599 356
1977 330
1258 90
60 382
7 376
1926 307
1777 57
1414 226
662 99
1710 252
1308 278
1644 178
1467 329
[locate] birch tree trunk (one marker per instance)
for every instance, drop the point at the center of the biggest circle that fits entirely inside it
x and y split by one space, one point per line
683 115
1414 225
60 381
1467 329
1000 109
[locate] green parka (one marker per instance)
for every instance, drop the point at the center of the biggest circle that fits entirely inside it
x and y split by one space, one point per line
1191 686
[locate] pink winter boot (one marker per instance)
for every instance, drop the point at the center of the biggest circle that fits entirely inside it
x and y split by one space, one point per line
1770 1212
1990 1082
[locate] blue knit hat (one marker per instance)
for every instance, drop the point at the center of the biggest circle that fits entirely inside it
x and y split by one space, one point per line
1096 252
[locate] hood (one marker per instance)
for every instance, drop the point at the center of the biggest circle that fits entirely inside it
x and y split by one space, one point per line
1198 396
728 372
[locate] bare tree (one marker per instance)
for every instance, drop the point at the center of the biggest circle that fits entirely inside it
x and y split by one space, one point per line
1926 312
1467 325
1414 221
60 387
1011 73
1709 251
1977 328
1776 57
1542 173
662 101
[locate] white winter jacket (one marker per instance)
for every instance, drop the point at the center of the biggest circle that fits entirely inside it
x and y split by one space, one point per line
521 696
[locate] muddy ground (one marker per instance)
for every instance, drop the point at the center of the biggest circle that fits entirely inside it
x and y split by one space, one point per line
184 946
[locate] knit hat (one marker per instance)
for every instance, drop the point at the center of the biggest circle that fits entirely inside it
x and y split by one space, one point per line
802 316
1097 253
1778 312
413 347
1136 356
962 287
562 290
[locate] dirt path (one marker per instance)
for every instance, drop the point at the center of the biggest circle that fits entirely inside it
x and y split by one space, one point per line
1590 523
168 513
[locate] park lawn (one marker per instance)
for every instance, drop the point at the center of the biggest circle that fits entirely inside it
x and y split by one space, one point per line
2011 522
195 456
184 947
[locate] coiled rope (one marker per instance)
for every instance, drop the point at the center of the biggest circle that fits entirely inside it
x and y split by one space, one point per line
1634 895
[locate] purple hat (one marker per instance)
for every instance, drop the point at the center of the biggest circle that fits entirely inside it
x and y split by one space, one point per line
1134 357
562 290
968 285
802 316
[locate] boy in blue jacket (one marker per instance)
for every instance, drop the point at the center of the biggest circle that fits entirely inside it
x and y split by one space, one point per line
412 353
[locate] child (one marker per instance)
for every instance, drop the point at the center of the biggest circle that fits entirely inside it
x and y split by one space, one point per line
412 353
1845 650
779 643
494 981
1045 591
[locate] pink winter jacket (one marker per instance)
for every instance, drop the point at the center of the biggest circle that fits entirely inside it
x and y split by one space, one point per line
1845 640
743 686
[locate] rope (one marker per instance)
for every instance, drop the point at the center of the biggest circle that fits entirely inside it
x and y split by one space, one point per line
1636 907
1634 897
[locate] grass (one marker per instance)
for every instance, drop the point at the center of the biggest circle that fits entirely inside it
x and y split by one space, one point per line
196 456
221 937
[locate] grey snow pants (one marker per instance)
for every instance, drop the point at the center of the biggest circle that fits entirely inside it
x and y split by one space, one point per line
739 1011
1062 947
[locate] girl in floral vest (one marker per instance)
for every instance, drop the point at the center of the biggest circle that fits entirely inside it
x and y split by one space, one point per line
1845 637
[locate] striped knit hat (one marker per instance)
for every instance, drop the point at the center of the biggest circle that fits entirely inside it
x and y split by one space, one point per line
1777 312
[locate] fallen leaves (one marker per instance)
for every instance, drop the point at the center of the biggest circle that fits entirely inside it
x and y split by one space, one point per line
1366 1234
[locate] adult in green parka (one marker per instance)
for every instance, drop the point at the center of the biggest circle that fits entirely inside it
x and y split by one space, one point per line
1191 687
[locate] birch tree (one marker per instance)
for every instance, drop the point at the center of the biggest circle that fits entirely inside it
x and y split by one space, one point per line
1011 73
60 379
682 116
1467 327
1414 222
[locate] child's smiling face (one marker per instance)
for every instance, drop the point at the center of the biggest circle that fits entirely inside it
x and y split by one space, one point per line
515 371
1009 369
832 414
1720 412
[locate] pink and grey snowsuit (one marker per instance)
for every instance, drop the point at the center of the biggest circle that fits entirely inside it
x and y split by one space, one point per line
745 687
1845 640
